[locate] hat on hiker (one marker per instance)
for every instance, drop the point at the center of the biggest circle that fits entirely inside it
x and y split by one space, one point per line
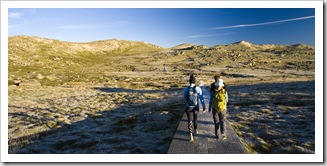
192 79
220 82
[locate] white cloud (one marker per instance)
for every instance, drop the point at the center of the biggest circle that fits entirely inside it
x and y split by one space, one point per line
264 23
16 19
15 15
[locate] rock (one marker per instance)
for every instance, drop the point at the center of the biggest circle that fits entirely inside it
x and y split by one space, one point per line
39 76
51 124
51 77
17 81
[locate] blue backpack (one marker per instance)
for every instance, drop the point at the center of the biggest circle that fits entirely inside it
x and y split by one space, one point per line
192 98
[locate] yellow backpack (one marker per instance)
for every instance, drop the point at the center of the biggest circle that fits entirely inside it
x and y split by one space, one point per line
219 99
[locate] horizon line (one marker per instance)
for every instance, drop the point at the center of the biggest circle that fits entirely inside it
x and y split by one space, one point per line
151 43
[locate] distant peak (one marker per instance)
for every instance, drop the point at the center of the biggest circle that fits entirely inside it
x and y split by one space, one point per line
299 45
302 46
183 46
243 42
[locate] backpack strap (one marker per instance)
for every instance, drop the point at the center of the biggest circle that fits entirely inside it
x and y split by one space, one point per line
188 88
194 89
212 87
197 96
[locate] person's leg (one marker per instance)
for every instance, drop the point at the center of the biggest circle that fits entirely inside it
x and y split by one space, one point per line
189 121
215 121
195 119
222 119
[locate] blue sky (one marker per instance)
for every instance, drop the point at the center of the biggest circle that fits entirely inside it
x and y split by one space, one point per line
167 27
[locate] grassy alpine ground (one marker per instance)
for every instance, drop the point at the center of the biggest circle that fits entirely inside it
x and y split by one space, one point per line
112 96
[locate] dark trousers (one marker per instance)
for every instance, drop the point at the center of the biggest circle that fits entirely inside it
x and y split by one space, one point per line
219 119
192 117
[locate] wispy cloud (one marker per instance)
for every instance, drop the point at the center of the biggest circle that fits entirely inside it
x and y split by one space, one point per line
264 23
15 15
17 18
19 14
210 35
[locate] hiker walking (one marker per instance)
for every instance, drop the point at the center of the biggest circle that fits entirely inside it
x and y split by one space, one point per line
218 104
165 68
192 94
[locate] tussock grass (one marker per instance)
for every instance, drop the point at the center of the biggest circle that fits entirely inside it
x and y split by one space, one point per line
91 105
278 124
118 86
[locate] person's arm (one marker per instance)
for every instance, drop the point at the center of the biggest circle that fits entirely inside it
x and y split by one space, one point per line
212 87
199 91
185 93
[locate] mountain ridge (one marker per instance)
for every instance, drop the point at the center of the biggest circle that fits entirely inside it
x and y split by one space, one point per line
116 41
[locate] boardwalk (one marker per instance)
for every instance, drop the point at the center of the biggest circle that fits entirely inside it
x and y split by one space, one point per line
205 141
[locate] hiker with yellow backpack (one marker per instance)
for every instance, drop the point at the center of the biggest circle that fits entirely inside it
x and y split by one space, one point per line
218 104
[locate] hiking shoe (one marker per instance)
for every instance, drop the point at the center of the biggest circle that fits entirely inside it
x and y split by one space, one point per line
224 136
217 137
191 137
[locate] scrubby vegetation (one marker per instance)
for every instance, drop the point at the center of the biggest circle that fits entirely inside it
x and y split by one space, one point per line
112 96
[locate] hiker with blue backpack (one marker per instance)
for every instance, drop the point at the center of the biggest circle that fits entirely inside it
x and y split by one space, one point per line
218 104
192 94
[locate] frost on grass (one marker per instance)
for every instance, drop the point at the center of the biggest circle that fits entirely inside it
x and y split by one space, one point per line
99 122
277 120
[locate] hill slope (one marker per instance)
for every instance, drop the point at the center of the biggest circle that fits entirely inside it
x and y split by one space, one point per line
27 51
54 62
